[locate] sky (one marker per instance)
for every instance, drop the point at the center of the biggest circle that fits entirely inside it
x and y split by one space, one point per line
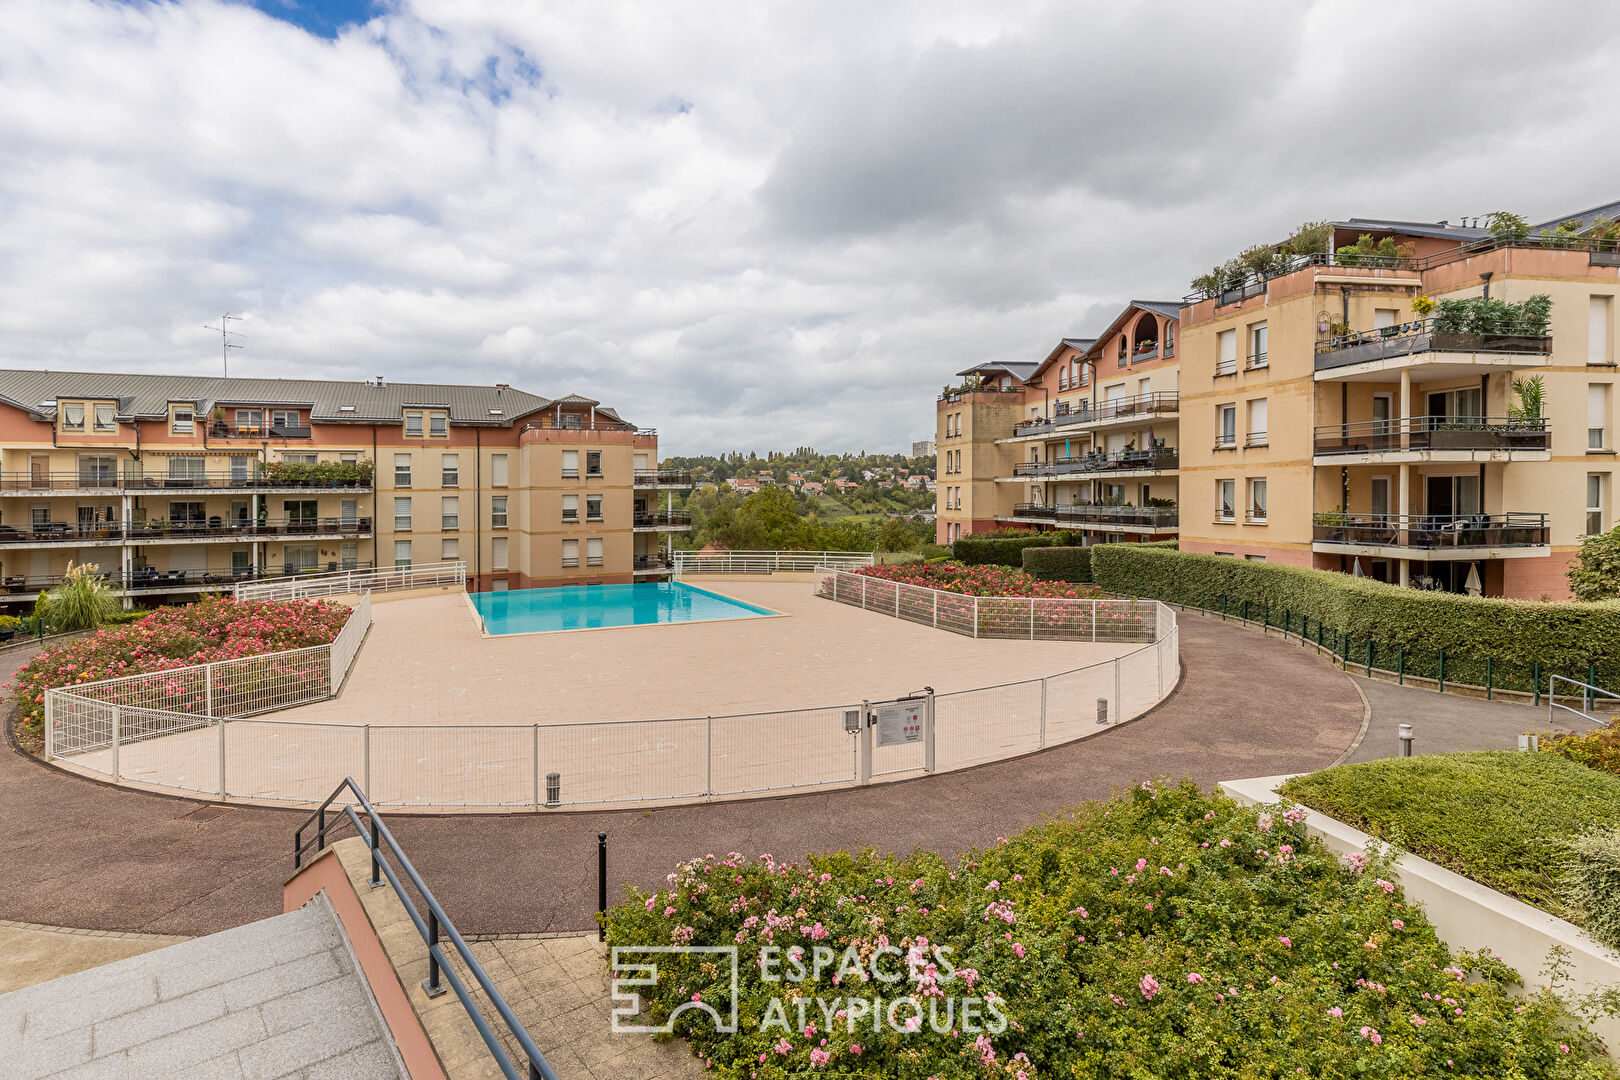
752 226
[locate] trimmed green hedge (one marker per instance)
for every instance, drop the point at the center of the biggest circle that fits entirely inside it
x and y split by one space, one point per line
1525 640
1005 550
1058 563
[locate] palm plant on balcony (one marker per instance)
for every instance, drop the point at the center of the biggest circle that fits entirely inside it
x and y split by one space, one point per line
1529 392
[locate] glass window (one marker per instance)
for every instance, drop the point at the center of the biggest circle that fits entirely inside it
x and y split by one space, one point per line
570 507
450 513
302 511
593 508
1225 491
1257 500
349 458
497 553
250 419
402 554
570 465
300 459
402 470
106 418
497 512
593 552
497 470
182 422
349 513
438 425
402 514
1226 433
1594 503
451 471
1257 345
450 549
1257 422
300 557
413 423
73 416
1226 352
1597 416
284 418
348 555
186 471
570 552
593 463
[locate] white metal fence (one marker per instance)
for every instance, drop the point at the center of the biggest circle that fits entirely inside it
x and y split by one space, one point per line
766 562
380 579
167 736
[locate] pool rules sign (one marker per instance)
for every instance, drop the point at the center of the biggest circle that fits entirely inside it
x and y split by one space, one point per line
901 722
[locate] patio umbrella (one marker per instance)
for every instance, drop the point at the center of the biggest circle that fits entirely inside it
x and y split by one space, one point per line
1473 586
1066 451
1355 571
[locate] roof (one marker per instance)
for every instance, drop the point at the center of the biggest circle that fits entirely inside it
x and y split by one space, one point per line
1585 217
1080 343
1441 230
1170 309
149 396
1018 369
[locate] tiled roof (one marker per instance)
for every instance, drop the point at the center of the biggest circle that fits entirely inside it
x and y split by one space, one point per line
150 395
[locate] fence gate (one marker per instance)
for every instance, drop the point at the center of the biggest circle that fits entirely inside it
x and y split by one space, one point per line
895 736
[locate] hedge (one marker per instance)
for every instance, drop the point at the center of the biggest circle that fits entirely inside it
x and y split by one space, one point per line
1058 563
1591 883
1523 641
1005 550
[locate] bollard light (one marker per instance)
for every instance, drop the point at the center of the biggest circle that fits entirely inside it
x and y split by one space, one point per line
1102 710
1404 734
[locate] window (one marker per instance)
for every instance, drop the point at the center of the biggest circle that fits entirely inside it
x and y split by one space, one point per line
1169 337
450 471
1225 427
1594 503
497 470
186 472
1257 500
402 514
1257 345
348 555
1226 352
497 553
450 513
1255 558
349 458
413 424
73 416
241 470
402 554
300 459
249 420
304 512
450 549
570 507
497 512
300 557
593 552
438 425
349 513
593 508
1257 423
182 421
593 463
98 470
1225 494
106 417
402 470
1597 416
284 418
1599 335
570 465
1085 374
570 553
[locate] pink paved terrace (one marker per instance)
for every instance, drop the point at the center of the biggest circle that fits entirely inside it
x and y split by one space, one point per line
426 674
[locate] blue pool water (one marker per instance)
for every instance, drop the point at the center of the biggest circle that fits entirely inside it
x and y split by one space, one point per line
583 607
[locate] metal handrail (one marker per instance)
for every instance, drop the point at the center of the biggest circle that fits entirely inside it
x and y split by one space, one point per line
1152 403
1115 461
1417 433
1431 531
1100 514
663 476
437 923
663 517
159 529
358 579
1588 691
43 482
754 562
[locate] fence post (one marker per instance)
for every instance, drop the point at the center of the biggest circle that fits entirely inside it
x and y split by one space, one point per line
708 775
1400 664
601 886
975 616
1488 689
50 725
1591 680
117 719
208 689
1032 618
1119 702
928 733
897 600
866 742
936 608
1041 743
365 764
1369 657
534 762
1094 622
863 593
221 722
1535 681
1442 671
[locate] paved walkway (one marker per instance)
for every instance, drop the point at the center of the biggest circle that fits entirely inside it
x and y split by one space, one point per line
87 855
1443 723
276 998
31 954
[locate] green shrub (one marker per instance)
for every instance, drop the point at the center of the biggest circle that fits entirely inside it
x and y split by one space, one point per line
1165 934
1573 639
1591 883
10 624
1004 549
1502 818
1058 563
83 601
1596 749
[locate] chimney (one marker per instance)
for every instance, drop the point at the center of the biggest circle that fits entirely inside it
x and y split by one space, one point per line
379 381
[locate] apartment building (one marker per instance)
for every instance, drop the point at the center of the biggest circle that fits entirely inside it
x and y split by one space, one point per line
174 485
1086 439
1328 423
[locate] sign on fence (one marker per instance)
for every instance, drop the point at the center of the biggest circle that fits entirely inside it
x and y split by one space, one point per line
900 722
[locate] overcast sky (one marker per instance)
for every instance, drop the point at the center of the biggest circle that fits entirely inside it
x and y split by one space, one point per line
751 225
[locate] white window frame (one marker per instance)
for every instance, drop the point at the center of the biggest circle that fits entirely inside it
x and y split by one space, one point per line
570 545
413 425
593 551
1223 440
499 549
402 547
1225 501
402 513
450 513
497 511
1257 484
1596 497
497 470
402 470
450 471
450 549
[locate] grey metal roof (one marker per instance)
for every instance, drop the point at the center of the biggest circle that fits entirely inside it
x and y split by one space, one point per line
150 395
1081 343
1169 308
1585 217
1018 369
1438 229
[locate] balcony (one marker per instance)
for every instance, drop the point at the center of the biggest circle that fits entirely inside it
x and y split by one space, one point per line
663 478
1134 519
1105 414
1435 438
1100 464
66 534
227 429
654 564
1431 537
149 580
278 478
663 520
1372 352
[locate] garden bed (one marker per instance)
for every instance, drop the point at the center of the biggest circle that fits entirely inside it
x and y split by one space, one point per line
1167 934
981 580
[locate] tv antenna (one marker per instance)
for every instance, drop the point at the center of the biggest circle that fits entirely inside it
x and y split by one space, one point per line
225 335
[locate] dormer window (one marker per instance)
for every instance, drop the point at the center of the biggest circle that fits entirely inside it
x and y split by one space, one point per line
438 425
182 420
106 417
73 416
413 425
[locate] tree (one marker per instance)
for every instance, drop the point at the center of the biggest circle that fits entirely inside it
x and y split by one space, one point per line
1594 573
895 536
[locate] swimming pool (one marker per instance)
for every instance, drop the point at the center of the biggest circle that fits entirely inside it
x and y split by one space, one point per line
586 607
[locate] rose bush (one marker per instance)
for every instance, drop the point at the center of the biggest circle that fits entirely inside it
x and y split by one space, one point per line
1167 934
982 580
216 628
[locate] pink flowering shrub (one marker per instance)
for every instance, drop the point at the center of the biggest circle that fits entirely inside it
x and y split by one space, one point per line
1208 961
977 580
217 628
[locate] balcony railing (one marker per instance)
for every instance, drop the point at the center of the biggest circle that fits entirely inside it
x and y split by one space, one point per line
1433 433
1420 336
1116 461
952 396
654 562
674 518
1431 531
147 579
1151 404
229 429
1135 517
137 532
42 482
650 477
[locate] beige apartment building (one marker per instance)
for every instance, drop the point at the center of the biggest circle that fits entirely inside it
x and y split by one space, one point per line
174 485
1086 439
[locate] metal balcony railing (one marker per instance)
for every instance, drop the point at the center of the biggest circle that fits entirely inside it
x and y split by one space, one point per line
1140 517
651 477
45 482
137 532
1115 461
148 579
229 429
1156 403
1433 433
1431 531
654 562
1420 336
677 518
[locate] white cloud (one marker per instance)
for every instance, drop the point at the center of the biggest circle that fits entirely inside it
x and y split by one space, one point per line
750 225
